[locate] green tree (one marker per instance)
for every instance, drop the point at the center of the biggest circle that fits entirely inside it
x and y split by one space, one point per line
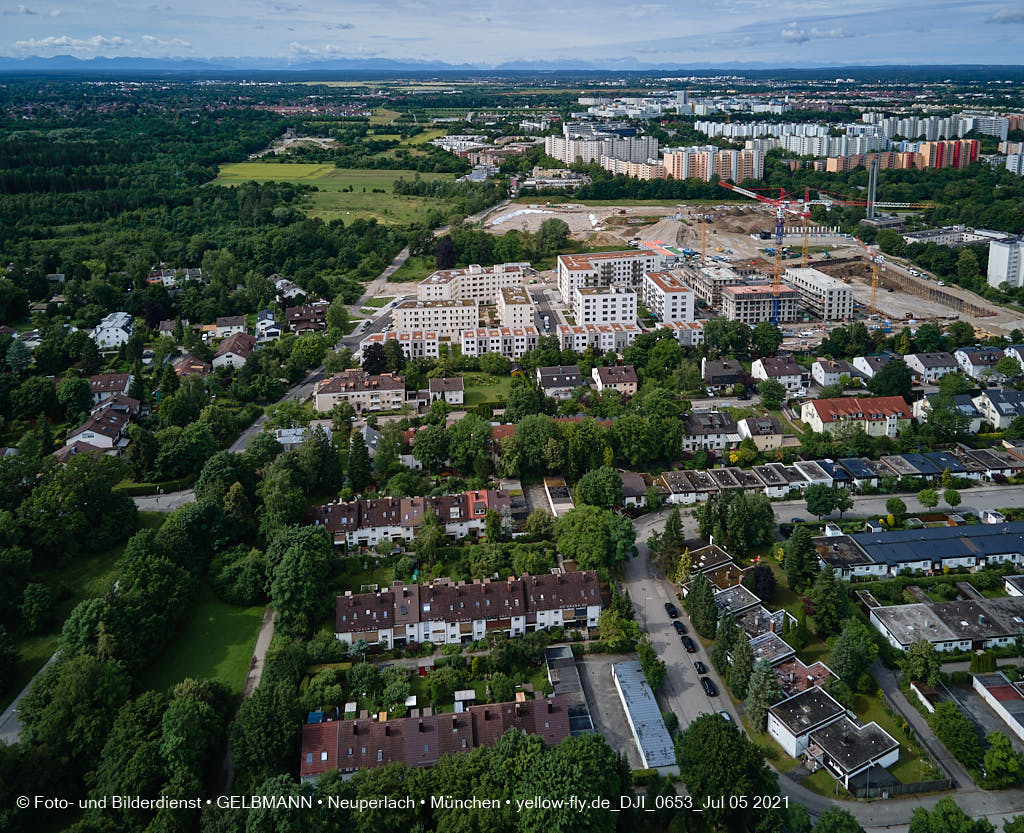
772 393
9 656
829 603
766 339
469 443
946 817
1004 765
928 498
265 734
75 396
654 669
600 487
750 521
921 662
299 588
893 379
429 538
594 537
837 820
715 760
492 526
540 525
967 268
800 560
853 652
897 508
956 731
360 468
741 668
338 315
700 604
952 497
820 499
763 692
430 447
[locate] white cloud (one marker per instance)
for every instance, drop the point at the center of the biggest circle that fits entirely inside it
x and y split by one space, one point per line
77 44
794 34
152 41
1007 16
25 10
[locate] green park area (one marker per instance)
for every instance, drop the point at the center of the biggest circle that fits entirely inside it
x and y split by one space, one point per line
342 193
481 387
214 643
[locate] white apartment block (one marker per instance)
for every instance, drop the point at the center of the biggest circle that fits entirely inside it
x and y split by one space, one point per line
666 297
705 162
1004 258
510 342
604 305
604 269
825 297
416 344
474 283
708 282
446 318
601 337
631 149
754 304
1015 163
687 333
515 307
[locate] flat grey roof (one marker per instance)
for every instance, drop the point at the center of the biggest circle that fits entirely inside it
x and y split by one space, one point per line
851 746
840 551
911 622
942 542
649 730
803 711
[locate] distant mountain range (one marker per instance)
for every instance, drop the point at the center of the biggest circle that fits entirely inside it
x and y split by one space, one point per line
69 64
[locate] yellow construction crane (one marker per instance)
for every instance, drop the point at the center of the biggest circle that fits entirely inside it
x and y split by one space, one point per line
703 240
874 276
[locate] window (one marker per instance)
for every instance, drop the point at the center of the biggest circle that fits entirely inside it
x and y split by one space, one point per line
323 756
309 757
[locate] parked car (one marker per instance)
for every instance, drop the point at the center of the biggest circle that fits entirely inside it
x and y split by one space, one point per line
680 627
671 610
700 667
689 646
709 687
725 715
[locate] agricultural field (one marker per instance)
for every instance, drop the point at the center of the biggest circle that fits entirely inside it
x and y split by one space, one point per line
344 193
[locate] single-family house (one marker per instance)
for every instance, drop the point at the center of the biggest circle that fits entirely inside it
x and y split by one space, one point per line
311 318
961 402
620 378
114 331
107 385
104 429
451 389
827 372
721 375
979 362
559 381
869 365
765 431
711 430
879 416
1000 407
267 328
363 391
229 325
234 350
782 369
930 367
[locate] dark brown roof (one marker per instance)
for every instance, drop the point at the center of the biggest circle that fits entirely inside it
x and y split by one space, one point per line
350 745
110 382
451 383
241 344
231 321
618 375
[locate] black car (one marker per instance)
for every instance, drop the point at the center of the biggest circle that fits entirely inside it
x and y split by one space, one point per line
709 687
680 627
701 667
671 610
689 646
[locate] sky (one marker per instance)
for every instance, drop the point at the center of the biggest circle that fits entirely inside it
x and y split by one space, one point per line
491 32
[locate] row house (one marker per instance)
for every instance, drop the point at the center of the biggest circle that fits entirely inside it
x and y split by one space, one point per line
365 523
415 344
510 342
448 613
880 416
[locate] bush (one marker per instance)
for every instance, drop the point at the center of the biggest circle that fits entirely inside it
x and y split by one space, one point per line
960 677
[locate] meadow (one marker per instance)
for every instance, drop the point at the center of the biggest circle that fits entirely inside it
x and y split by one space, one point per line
343 193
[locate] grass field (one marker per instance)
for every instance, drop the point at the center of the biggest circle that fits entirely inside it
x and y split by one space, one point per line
215 643
334 200
483 388
379 302
415 268
384 116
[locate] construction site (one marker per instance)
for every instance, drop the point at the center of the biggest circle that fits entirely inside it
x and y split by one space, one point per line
727 234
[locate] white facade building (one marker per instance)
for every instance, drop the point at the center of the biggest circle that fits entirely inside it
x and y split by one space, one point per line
114 331
667 297
474 283
446 318
604 269
510 342
825 297
1004 258
515 307
604 305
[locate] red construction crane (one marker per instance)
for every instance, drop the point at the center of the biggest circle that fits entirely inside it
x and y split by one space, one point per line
782 203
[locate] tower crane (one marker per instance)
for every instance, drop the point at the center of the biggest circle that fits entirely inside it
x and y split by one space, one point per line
782 203
874 275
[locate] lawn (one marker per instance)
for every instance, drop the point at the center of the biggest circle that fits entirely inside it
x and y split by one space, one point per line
483 388
334 199
824 784
384 116
215 643
86 578
913 765
378 302
416 268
